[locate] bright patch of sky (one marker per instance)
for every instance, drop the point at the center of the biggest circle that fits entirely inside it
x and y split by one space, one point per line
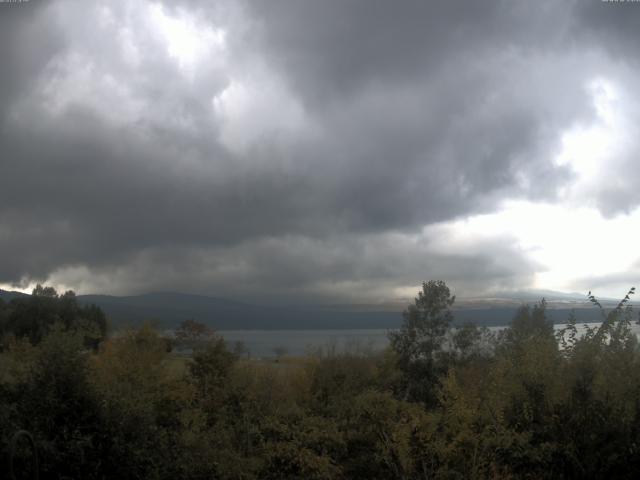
571 244
591 150
187 41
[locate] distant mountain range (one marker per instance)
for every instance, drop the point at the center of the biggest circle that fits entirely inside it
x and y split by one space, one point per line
7 296
167 309
554 299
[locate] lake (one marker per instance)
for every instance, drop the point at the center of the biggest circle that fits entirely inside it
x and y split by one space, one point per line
262 343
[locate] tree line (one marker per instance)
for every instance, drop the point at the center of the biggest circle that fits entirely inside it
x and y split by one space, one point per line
439 403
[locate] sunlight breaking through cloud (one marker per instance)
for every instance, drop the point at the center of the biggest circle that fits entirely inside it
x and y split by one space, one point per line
188 42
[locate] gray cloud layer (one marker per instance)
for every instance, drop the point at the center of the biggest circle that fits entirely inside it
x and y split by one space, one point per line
302 152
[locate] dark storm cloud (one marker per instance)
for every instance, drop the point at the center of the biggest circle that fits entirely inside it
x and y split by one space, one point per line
376 268
334 49
444 106
26 42
614 26
319 130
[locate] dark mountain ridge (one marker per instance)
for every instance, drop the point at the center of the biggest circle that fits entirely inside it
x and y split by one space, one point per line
167 309
7 296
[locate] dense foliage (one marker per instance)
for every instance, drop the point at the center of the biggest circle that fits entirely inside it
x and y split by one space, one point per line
440 402
32 317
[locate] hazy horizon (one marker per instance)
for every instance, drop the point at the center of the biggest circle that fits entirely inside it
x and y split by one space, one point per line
497 299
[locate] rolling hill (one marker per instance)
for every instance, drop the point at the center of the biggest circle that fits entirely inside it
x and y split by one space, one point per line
167 309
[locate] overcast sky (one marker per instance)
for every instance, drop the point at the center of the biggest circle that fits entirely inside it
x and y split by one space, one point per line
338 151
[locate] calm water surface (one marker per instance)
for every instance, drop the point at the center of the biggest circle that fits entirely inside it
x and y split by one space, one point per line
263 343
